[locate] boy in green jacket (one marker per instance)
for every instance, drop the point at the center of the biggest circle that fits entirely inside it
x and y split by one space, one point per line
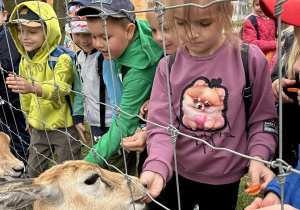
48 114
131 47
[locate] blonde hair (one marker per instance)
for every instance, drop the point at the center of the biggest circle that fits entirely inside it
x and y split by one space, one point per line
149 4
293 57
290 57
222 11
253 3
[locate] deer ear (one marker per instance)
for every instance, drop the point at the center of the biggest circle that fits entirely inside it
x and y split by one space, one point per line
20 193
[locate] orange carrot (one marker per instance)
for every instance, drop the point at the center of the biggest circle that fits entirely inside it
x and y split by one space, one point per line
293 90
253 190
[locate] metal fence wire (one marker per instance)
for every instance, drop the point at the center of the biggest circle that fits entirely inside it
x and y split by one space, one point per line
284 168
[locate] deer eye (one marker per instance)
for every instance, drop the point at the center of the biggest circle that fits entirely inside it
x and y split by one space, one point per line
92 179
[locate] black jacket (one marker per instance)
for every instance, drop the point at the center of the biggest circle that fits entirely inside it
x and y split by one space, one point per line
291 111
7 48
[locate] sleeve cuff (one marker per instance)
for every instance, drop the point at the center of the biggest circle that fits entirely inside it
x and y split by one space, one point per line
258 150
77 119
273 191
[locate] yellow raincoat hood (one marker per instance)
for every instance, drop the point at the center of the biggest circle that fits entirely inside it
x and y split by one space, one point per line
52 29
52 107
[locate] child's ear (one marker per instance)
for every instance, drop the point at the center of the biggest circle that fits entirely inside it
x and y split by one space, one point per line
4 15
130 31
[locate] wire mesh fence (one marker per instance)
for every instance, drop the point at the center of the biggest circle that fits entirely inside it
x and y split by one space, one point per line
59 91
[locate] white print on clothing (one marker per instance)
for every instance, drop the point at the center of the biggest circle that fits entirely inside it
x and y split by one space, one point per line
270 127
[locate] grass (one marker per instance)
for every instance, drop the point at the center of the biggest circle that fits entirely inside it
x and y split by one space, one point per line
244 199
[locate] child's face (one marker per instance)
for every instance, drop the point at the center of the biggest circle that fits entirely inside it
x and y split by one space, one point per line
84 41
171 40
200 33
3 16
33 37
118 38
257 9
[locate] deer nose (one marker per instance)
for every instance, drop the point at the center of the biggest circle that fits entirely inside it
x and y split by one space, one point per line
144 184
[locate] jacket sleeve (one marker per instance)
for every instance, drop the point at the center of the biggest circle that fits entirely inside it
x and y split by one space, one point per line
274 187
159 146
25 98
5 56
262 123
78 110
135 92
64 78
250 36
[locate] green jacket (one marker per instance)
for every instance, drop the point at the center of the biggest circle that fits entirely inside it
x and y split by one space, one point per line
142 55
46 108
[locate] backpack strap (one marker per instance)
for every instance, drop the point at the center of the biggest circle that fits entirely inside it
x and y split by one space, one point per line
253 20
125 70
52 60
171 61
247 90
102 88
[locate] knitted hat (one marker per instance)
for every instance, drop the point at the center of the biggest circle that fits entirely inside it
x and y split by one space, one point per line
290 14
78 24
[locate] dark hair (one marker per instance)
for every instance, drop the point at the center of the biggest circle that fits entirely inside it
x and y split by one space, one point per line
123 22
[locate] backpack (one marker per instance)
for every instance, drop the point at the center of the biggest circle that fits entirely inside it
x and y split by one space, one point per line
58 51
247 90
102 87
253 20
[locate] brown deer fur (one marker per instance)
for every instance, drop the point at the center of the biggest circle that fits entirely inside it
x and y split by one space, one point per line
10 167
74 185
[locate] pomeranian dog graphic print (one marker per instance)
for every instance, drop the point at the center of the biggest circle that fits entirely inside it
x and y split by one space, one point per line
203 105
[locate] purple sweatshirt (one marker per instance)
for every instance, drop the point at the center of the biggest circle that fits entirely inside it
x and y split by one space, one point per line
207 102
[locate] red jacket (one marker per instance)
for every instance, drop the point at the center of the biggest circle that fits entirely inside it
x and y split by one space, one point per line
266 28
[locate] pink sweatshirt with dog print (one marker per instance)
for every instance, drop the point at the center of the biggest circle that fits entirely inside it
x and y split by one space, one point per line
207 102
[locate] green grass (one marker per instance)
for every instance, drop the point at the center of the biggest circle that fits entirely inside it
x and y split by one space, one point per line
244 199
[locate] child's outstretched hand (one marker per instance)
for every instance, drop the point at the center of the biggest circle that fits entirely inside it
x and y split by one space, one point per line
275 88
267 204
154 182
259 174
21 85
144 109
137 142
83 133
28 126
270 200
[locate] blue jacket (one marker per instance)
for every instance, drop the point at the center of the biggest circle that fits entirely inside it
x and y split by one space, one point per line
107 78
291 188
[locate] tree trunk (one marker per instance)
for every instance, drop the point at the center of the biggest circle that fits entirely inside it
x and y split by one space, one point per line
59 7
10 4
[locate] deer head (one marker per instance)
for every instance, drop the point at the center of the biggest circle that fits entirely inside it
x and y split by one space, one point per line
74 185
10 167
